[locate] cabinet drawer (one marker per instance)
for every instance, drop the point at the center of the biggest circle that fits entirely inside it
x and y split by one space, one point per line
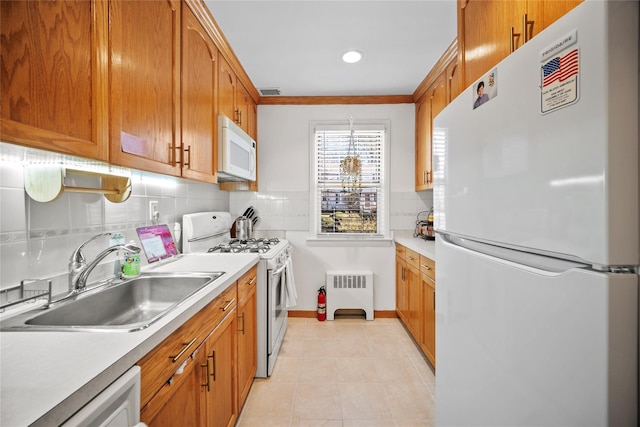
247 283
428 266
413 258
160 363
400 250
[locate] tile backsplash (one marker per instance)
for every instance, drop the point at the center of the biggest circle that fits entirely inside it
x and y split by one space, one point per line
37 239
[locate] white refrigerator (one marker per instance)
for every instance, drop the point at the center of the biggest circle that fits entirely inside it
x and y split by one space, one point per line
537 214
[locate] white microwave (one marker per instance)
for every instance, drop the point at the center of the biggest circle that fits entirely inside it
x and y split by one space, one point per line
236 152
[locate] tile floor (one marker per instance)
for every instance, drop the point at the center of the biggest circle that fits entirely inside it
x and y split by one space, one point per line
344 373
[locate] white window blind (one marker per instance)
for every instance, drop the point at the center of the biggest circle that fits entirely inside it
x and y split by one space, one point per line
341 207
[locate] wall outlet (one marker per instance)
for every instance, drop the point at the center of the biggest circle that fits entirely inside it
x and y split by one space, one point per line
154 212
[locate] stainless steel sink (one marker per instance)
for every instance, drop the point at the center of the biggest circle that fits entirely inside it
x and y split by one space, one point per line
127 306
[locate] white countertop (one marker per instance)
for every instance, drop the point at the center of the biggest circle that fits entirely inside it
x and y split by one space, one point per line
422 246
45 377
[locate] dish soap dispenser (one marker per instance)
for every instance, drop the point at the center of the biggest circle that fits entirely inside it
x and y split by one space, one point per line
131 263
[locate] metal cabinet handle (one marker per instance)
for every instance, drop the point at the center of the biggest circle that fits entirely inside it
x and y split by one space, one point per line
208 384
434 300
213 364
188 151
175 358
229 304
242 328
252 281
513 36
527 25
426 267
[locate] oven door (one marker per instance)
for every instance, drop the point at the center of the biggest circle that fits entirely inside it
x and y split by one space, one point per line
277 315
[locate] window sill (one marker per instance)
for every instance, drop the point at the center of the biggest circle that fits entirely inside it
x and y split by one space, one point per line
349 241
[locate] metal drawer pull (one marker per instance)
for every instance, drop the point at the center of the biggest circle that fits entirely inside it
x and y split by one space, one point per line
425 266
253 279
174 359
207 385
213 363
242 329
229 304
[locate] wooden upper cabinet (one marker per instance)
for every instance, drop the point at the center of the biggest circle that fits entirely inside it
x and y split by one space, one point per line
54 80
453 80
227 90
199 108
489 30
423 142
144 63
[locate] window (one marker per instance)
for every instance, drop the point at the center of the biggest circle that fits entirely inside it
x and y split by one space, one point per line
343 205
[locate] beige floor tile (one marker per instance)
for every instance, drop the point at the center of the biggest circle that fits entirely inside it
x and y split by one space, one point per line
286 370
270 399
364 401
397 370
344 373
348 330
352 348
381 347
313 347
316 423
317 402
317 370
357 370
291 347
411 401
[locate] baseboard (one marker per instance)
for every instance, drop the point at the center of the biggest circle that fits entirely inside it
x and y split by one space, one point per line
312 314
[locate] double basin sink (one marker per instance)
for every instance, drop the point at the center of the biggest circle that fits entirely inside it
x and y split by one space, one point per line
126 306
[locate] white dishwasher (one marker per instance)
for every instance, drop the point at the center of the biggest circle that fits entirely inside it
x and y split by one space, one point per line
116 406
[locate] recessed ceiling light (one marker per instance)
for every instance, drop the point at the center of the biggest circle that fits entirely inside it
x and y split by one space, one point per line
352 57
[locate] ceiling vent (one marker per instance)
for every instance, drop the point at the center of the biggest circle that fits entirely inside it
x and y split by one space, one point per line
273 91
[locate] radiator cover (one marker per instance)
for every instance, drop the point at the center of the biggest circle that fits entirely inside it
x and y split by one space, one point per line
349 290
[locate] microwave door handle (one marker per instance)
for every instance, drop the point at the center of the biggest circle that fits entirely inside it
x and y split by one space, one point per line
253 161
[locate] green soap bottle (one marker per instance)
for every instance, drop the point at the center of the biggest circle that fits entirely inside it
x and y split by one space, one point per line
131 263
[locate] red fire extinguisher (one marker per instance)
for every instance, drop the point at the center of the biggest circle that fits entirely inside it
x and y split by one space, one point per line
322 304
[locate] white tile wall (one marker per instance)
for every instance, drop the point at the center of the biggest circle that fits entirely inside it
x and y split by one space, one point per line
36 239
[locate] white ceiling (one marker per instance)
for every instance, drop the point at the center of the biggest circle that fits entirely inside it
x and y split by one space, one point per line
296 46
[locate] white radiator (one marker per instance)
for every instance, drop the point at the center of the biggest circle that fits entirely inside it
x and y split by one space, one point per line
351 290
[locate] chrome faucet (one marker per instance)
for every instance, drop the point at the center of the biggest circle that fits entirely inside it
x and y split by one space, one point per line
79 268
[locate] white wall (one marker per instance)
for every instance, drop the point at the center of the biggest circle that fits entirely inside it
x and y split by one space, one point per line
282 201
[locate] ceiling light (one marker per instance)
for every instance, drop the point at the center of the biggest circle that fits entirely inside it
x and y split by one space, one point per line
352 57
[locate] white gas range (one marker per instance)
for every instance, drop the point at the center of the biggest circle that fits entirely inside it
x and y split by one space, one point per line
209 232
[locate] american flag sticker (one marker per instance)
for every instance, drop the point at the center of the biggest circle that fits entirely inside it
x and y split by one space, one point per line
559 80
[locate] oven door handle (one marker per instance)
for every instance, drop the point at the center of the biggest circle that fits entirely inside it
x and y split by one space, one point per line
280 269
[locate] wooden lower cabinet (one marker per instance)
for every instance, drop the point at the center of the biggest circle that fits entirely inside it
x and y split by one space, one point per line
220 399
179 398
247 334
201 374
402 289
415 298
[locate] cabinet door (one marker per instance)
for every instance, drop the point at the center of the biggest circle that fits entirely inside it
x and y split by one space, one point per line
553 10
221 348
178 399
491 30
453 80
423 142
199 92
428 341
402 290
226 89
243 105
144 55
54 79
247 345
414 285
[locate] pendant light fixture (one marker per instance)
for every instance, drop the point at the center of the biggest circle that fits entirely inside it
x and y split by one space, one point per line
350 166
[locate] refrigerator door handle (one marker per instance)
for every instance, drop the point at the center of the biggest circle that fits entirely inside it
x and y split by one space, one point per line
541 263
